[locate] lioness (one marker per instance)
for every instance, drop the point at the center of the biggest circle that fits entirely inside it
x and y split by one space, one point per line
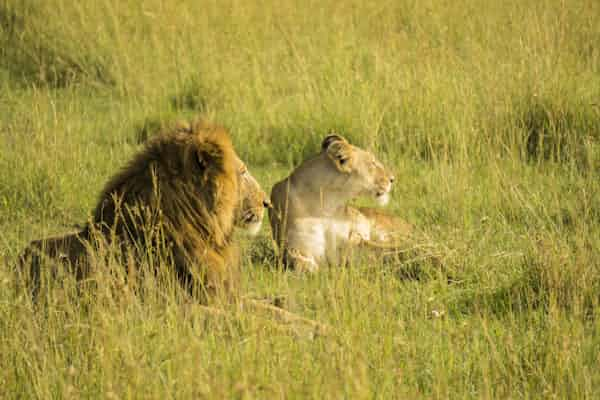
310 219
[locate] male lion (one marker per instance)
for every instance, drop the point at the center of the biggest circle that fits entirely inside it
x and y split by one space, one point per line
310 220
183 193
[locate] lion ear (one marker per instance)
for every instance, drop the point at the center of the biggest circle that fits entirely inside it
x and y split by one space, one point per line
208 155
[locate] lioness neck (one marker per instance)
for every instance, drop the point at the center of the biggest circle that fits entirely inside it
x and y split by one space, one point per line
325 196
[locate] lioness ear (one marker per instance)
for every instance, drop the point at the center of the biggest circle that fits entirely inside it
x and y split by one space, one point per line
340 152
329 139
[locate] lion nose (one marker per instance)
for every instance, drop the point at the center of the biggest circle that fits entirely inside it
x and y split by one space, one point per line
267 204
392 179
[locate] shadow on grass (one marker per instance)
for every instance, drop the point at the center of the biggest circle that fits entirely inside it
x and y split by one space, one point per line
517 297
553 279
32 55
559 132
194 96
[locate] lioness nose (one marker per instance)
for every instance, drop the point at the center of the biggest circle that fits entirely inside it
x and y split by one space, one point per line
392 179
267 204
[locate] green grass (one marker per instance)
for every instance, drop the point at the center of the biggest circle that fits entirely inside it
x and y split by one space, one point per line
488 114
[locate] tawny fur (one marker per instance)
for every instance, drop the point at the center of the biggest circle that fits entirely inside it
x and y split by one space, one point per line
310 220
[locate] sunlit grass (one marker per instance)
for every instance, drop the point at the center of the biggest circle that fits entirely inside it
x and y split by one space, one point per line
488 114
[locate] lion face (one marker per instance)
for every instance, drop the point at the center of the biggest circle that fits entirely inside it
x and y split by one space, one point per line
253 201
364 174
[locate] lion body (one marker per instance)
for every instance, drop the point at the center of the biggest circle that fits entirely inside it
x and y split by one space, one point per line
68 250
310 220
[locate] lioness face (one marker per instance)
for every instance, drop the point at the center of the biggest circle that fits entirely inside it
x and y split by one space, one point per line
378 180
253 201
366 174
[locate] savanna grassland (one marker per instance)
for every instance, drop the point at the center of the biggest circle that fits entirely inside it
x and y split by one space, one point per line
488 113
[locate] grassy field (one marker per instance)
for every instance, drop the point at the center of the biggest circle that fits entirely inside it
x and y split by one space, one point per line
488 113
